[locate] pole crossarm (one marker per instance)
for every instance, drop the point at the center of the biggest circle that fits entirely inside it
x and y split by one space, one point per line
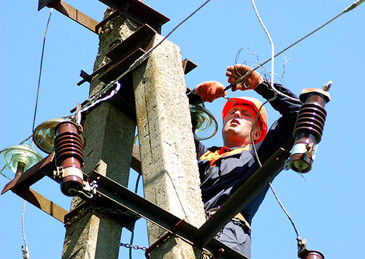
43 203
113 196
20 186
133 9
138 12
46 167
109 192
71 13
104 186
32 175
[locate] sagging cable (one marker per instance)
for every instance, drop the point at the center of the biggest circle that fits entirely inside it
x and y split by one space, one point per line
270 100
25 250
271 43
40 70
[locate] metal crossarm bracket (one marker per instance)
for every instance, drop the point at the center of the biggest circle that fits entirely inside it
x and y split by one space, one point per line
133 9
125 207
138 12
43 203
71 13
113 193
20 186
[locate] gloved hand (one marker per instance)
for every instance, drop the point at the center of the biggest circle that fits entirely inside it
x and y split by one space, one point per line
210 90
249 82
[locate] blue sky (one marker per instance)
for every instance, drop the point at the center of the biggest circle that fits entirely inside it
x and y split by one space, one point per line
327 207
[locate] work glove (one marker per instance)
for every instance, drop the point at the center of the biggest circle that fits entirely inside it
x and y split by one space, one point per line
249 82
210 90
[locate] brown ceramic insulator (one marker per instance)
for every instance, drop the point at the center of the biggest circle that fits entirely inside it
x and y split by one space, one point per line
68 143
69 155
312 254
71 162
314 96
311 119
66 148
308 129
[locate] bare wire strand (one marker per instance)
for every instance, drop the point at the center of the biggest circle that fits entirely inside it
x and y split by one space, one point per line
271 43
284 68
238 54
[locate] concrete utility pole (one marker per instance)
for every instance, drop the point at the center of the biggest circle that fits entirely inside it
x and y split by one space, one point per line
109 135
170 172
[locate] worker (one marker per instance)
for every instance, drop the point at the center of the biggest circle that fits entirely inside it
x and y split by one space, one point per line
224 169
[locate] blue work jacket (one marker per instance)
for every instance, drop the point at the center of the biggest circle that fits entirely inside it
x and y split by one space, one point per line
220 181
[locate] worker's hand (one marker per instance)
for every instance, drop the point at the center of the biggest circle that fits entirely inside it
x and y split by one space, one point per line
210 90
249 82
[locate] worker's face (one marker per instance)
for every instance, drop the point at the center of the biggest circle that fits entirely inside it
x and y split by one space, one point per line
238 124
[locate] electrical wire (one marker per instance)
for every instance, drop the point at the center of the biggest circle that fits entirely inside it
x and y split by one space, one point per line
258 113
271 43
177 26
28 138
350 8
1 172
353 6
40 70
25 250
135 64
260 164
92 101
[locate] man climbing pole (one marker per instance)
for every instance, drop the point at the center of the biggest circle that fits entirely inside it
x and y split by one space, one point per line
224 169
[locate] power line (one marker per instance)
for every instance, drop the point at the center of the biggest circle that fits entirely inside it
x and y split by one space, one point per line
25 250
94 99
350 8
40 70
276 91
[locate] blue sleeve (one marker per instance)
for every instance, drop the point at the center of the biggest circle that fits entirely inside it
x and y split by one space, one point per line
280 134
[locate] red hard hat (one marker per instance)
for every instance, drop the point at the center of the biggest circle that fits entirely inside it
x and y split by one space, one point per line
252 104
